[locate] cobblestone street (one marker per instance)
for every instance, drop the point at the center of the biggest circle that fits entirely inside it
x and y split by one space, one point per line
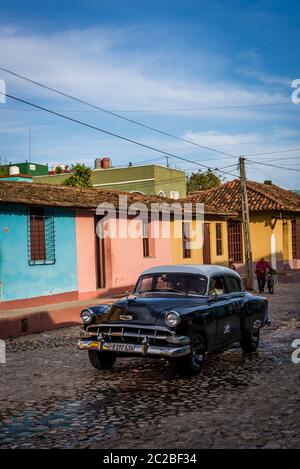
52 397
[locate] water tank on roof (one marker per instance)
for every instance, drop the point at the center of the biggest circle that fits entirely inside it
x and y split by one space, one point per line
98 163
14 170
105 163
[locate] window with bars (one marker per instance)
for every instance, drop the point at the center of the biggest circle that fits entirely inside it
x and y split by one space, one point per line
186 240
235 241
296 238
219 239
146 246
41 237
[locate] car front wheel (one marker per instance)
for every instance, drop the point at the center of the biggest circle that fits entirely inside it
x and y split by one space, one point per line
193 363
250 342
101 360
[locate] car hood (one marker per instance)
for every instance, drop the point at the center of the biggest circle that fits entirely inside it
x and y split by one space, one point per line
150 310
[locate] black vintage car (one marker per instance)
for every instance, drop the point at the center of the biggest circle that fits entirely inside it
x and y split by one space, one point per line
178 313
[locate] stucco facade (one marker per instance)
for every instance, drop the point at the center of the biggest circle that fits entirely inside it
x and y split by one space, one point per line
120 258
147 179
197 252
271 239
19 280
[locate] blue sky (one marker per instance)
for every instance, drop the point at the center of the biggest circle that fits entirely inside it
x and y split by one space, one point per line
156 62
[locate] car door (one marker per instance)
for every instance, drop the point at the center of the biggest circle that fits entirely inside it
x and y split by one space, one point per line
235 294
218 302
227 307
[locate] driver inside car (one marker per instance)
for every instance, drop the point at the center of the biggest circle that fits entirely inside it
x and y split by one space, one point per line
217 286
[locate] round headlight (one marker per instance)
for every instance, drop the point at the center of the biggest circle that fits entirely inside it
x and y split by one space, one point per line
86 316
172 319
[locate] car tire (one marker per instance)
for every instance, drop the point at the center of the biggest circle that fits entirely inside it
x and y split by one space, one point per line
250 341
100 360
193 363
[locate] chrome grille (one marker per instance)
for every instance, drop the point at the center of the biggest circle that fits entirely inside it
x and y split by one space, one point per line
130 334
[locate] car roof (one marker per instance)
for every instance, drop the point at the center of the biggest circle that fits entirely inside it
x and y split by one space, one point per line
203 269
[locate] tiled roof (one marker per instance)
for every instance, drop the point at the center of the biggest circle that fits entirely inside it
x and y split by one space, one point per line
260 197
54 195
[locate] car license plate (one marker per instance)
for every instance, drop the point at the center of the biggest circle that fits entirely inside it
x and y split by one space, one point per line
122 347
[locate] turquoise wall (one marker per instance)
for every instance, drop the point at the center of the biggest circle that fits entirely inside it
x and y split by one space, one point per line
21 280
16 179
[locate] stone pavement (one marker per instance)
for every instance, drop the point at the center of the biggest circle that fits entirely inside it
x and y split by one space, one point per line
51 397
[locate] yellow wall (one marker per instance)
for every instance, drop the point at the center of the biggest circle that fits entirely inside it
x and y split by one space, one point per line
262 227
177 249
197 251
223 259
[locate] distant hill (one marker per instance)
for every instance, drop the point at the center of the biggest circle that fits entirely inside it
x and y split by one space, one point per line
298 192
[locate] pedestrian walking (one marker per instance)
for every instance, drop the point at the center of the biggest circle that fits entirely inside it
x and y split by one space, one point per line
261 269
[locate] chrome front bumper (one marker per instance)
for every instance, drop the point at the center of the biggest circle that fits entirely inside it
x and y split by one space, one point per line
143 349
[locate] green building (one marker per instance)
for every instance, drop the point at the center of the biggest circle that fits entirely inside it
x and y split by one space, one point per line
147 179
31 169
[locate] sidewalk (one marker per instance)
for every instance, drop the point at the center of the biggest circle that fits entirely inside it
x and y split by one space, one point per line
16 322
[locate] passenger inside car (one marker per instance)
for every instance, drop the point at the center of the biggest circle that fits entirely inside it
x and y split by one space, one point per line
217 286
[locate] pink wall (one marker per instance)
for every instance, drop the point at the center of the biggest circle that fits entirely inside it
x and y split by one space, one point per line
86 251
125 261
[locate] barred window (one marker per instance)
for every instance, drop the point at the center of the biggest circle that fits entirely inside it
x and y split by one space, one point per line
219 240
235 240
41 236
296 238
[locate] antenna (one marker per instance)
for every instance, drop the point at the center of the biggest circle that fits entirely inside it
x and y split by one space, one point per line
29 144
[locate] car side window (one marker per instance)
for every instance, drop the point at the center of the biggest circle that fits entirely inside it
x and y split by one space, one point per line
233 285
216 285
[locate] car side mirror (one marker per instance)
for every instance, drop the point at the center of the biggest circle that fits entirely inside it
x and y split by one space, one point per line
212 296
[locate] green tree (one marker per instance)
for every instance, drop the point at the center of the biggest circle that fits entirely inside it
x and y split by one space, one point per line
81 176
268 182
203 180
58 170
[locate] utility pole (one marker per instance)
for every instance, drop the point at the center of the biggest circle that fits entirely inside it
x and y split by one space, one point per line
246 225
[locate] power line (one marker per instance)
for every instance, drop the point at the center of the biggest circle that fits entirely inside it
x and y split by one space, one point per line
230 166
206 108
268 176
274 166
162 132
71 119
273 152
282 159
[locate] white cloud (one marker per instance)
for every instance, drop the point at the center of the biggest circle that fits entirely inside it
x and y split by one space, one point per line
265 78
93 65
214 138
98 66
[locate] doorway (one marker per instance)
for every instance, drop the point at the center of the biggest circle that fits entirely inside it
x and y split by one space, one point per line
100 257
206 244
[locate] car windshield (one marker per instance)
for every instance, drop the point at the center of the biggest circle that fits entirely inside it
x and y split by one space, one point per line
187 284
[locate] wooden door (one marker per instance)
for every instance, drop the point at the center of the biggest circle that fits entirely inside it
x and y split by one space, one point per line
100 257
206 244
